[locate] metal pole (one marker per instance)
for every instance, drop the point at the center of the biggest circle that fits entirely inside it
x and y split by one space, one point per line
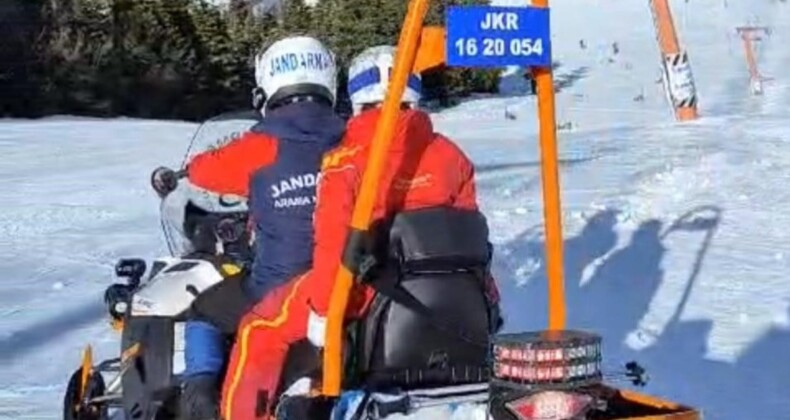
363 207
552 209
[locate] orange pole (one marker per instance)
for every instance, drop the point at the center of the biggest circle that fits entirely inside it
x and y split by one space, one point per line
363 208
750 61
552 210
748 46
668 43
87 370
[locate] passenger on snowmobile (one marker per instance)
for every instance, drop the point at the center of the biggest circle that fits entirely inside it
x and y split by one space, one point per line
426 174
276 165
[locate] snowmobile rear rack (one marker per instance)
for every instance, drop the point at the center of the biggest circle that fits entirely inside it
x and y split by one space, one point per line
567 364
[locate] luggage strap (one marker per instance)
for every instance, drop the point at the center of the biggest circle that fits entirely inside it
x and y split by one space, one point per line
388 286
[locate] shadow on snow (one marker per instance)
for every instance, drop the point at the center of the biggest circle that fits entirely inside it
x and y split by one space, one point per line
613 300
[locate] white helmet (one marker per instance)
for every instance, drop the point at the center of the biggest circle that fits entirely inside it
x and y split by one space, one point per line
295 66
369 74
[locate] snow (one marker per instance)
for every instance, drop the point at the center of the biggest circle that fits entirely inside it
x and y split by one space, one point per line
677 235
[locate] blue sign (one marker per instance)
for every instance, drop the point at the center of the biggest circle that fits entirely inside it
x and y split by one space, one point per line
489 36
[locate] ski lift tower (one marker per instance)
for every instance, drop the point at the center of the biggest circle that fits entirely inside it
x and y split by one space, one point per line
750 35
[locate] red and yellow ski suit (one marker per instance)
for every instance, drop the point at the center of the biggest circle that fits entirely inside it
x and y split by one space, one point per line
423 169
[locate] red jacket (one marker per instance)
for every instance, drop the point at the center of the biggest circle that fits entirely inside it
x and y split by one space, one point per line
423 169
227 170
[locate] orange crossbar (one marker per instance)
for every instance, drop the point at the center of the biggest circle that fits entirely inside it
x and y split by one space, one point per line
363 207
552 209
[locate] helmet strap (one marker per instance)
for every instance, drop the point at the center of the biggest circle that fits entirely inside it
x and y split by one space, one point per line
258 98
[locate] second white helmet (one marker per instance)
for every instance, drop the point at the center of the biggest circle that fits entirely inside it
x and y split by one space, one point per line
295 66
369 75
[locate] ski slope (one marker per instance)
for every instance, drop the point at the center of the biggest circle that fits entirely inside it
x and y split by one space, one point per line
677 235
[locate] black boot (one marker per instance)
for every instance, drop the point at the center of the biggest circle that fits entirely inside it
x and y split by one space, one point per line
200 398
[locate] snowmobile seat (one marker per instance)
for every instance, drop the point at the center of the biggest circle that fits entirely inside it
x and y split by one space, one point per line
430 322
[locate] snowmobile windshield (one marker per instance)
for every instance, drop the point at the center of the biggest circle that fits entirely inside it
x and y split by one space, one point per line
184 208
218 131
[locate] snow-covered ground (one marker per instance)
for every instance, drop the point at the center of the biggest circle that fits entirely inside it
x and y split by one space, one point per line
677 235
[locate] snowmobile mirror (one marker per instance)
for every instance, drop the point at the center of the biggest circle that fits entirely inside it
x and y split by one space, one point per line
165 180
132 269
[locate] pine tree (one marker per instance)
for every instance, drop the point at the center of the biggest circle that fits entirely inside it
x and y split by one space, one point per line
18 68
350 26
192 59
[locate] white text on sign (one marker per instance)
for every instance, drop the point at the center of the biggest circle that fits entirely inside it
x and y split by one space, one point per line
497 36
497 47
500 21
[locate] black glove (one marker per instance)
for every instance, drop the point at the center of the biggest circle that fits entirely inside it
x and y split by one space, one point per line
164 181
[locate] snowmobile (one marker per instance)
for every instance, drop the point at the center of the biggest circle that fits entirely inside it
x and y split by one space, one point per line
453 364
206 236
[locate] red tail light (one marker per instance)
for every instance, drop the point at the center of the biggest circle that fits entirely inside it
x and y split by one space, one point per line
550 405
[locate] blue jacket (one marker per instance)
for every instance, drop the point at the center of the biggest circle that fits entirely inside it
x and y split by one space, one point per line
276 164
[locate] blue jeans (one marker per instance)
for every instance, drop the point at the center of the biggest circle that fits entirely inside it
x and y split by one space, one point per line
204 348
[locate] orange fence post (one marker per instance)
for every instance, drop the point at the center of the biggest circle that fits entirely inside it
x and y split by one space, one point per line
363 208
677 75
748 34
552 209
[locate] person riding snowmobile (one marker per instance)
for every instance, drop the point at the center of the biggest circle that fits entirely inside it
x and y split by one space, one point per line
276 165
423 169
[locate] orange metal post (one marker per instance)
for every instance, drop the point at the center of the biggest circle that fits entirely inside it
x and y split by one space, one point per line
751 61
669 45
87 370
552 210
363 208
